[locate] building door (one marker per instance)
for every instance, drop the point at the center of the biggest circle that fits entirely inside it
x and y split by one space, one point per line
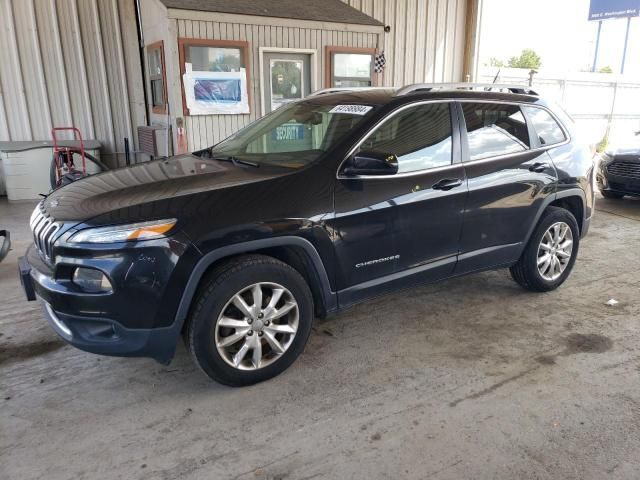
287 77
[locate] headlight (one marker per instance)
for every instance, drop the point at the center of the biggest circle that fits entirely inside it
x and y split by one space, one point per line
124 233
91 280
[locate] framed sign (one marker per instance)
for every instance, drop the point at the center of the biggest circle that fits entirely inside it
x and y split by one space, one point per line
215 93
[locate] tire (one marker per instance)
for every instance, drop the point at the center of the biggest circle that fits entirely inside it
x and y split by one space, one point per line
215 346
526 272
610 194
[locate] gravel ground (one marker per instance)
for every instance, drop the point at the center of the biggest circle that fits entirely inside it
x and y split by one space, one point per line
470 378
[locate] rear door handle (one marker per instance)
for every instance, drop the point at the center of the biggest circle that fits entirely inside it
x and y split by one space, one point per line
538 167
447 184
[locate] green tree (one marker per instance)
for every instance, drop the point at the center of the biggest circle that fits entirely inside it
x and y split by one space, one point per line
496 62
606 69
527 59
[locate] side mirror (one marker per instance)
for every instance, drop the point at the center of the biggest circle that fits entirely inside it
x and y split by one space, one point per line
371 163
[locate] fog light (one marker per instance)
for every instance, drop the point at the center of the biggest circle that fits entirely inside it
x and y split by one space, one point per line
91 280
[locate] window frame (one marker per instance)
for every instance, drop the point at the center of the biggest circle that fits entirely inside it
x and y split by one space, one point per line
328 62
534 147
157 46
243 46
456 157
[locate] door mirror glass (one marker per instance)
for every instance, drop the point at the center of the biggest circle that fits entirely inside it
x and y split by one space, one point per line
371 163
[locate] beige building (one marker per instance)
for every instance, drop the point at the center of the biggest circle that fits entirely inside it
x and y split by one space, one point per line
110 67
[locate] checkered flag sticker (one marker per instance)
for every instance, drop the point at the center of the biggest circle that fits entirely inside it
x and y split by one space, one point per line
379 62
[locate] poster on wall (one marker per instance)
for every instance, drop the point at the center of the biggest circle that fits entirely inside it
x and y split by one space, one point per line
215 93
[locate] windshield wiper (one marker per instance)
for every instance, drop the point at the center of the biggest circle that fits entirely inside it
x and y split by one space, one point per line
236 161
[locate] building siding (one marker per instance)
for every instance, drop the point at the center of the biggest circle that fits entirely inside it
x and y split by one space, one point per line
205 130
425 44
76 62
426 41
70 62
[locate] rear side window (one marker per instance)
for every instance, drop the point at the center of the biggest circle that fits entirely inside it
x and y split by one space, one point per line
419 136
494 129
547 129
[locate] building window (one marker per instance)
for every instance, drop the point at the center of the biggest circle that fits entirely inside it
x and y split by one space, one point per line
349 67
155 57
213 56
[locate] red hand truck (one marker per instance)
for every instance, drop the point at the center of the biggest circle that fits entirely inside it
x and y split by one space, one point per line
65 168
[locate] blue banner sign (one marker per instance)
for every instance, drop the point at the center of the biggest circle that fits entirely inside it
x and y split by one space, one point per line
604 9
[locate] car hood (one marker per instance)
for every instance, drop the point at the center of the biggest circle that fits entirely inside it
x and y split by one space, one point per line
148 183
631 147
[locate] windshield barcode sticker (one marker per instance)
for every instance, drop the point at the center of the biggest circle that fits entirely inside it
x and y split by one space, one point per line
352 109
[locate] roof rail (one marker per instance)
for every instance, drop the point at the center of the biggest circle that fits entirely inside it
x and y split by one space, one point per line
525 89
323 91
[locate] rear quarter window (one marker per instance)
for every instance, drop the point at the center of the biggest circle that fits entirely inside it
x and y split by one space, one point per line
545 126
494 129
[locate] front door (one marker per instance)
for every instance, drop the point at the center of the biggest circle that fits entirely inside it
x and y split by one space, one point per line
404 228
287 77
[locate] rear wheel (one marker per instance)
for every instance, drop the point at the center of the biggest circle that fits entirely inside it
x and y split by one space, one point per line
251 320
610 194
551 252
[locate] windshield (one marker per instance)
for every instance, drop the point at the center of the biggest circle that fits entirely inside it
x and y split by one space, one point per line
294 135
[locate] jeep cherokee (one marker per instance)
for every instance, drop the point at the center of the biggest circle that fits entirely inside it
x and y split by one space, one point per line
322 203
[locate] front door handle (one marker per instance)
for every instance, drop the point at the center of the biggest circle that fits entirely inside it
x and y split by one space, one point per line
538 167
447 184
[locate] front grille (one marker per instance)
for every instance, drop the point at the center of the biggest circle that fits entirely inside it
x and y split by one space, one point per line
44 229
621 168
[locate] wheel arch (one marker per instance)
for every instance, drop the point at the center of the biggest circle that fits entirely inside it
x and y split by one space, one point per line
572 199
297 252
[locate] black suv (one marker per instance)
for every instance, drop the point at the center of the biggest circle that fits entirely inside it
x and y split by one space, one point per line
322 203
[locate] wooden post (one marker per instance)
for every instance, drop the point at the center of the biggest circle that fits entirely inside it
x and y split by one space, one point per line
470 39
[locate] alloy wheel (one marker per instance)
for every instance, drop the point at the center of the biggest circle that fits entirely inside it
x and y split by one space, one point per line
554 251
257 326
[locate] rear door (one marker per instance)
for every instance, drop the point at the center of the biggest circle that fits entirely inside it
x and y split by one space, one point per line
389 228
508 181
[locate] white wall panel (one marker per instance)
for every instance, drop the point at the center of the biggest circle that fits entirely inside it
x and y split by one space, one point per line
70 62
426 41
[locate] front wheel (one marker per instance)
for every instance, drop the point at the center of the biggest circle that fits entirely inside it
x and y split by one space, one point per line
251 320
551 252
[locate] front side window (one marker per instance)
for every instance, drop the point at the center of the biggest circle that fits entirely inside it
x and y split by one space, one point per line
547 129
494 129
419 136
294 135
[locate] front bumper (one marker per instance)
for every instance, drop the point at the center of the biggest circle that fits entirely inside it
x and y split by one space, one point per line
136 319
107 337
617 182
